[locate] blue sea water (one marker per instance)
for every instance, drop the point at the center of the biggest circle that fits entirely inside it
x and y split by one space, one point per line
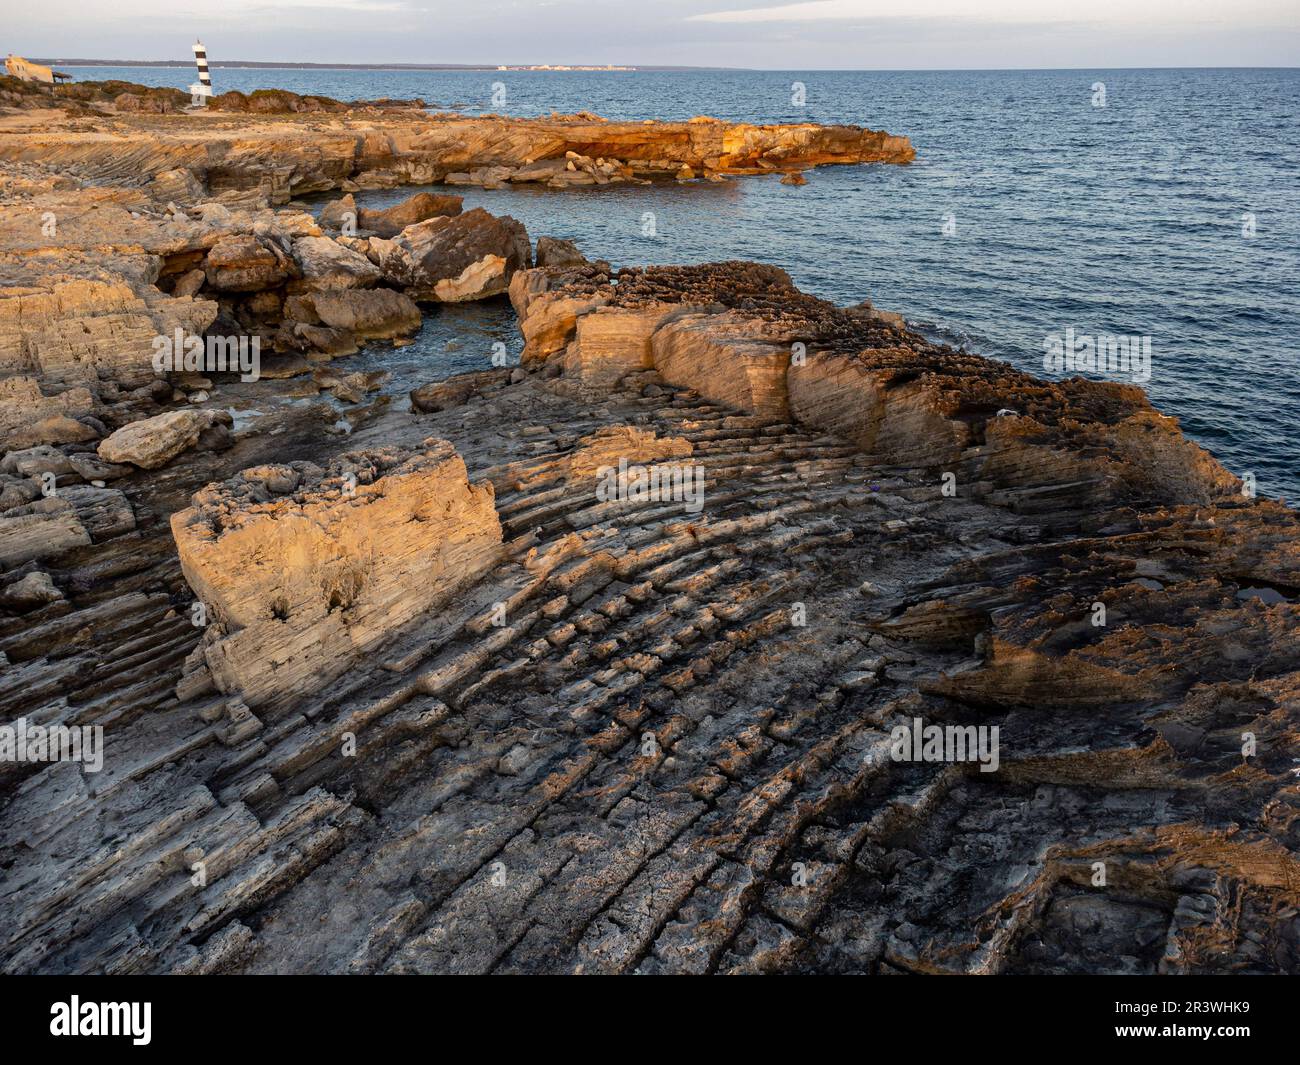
1172 212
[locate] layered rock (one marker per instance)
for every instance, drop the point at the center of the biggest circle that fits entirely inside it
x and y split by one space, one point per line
262 156
744 336
304 568
503 721
390 221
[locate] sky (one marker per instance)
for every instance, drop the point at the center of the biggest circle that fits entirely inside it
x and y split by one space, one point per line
817 34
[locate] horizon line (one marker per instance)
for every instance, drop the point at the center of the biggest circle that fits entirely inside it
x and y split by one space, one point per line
597 68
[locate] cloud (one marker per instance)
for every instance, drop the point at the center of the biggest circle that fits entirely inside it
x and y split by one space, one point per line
1174 12
261 7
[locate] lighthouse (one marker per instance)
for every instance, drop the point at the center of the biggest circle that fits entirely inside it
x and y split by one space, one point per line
201 89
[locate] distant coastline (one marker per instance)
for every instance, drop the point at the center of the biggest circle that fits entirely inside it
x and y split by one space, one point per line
238 64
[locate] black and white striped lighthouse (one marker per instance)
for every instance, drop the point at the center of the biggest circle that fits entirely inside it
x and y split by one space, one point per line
201 89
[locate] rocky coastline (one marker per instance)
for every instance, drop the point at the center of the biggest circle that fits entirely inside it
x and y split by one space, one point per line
438 686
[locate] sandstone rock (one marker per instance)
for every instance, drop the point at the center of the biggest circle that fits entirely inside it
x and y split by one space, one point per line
909 424
276 160
338 213
609 445
326 264
52 429
552 251
23 404
49 526
541 170
179 185
725 358
368 314
300 308
349 387
153 442
32 591
35 462
442 395
17 491
189 283
462 257
332 342
327 572
390 221
73 330
246 263
91 467
612 342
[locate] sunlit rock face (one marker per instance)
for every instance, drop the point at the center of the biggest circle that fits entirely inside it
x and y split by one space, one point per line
271 158
304 569
466 684
742 335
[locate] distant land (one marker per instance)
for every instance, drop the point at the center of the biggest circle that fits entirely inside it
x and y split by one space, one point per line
231 64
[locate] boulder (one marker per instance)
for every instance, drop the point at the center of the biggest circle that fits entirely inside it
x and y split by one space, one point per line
36 462
458 390
326 340
368 314
455 258
90 467
554 252
243 262
390 221
305 570
53 429
189 283
338 213
154 442
32 591
327 264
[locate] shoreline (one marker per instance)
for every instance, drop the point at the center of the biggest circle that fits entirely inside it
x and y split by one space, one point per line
352 645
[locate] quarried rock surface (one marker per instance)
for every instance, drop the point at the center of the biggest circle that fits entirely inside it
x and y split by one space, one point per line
452 698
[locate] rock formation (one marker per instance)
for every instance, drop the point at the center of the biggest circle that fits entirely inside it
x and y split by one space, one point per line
262 158
329 561
448 690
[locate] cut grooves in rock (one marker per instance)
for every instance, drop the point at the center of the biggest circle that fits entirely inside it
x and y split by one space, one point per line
470 715
622 775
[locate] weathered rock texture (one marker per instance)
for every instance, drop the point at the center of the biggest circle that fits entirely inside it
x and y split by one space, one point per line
306 569
609 753
443 706
742 335
278 158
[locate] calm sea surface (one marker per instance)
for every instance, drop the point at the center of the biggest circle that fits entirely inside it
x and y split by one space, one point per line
1172 212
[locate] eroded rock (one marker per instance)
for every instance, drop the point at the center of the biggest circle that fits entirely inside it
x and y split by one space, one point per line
154 442
328 564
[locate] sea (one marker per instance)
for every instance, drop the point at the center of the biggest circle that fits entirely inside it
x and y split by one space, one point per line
1157 207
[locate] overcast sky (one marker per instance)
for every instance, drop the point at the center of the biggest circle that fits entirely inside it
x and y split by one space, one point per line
820 34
